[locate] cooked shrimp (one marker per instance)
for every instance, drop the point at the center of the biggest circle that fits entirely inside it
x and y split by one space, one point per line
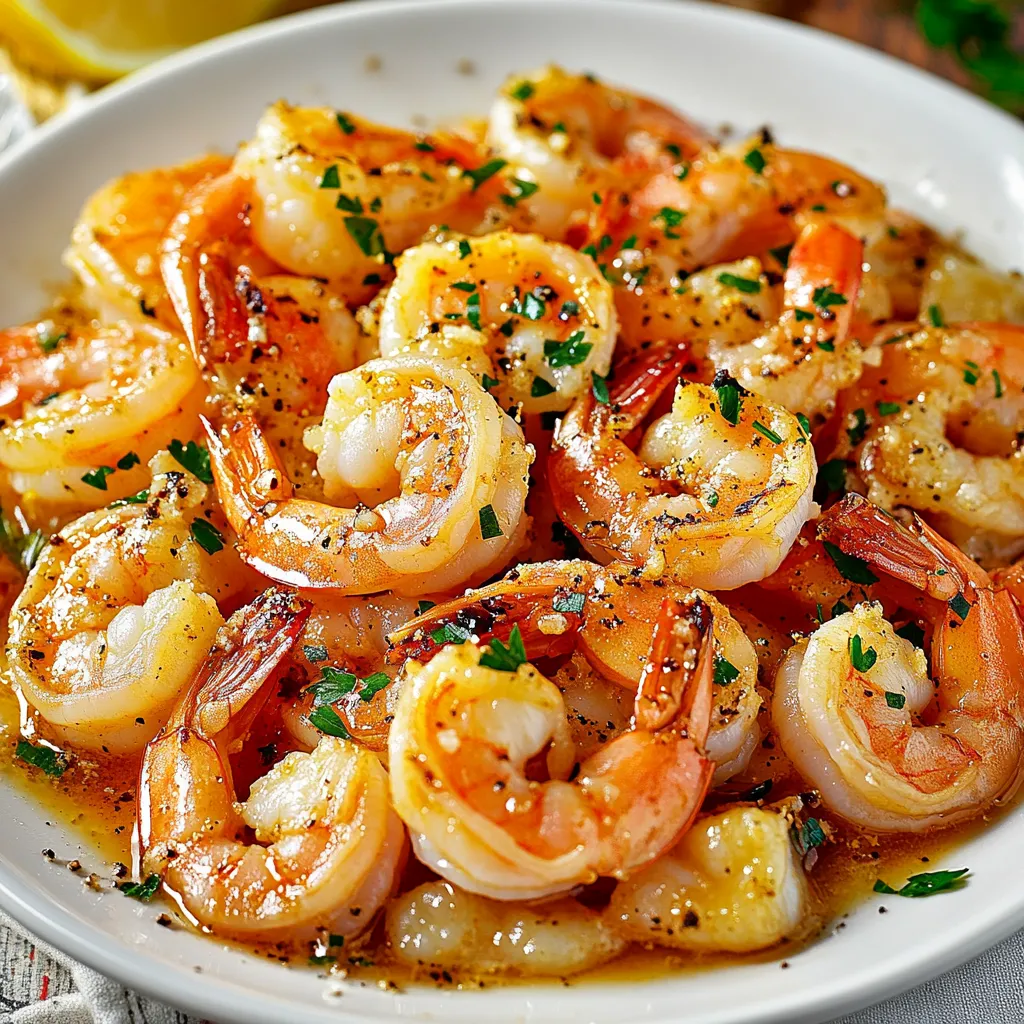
441 926
534 316
430 476
569 134
733 884
806 356
463 733
859 716
731 203
115 246
91 399
958 288
334 195
333 844
120 610
716 493
936 428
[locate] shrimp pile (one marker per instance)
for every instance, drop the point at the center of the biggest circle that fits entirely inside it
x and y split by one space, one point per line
516 548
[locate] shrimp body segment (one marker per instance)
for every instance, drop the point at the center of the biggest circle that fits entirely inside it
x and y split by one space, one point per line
857 712
418 458
734 883
463 733
716 494
537 315
118 613
332 843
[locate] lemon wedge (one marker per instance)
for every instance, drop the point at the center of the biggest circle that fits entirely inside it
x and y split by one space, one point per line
97 40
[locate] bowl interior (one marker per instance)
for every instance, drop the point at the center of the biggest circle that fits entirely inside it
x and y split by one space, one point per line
943 155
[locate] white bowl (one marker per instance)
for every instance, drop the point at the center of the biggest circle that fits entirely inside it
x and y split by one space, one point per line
947 156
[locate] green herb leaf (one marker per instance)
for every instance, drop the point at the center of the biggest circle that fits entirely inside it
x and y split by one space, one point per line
192 457
314 652
541 387
807 836
832 475
449 633
488 382
767 432
997 380
328 721
207 536
479 175
522 91
826 346
895 700
505 659
144 891
926 884
805 424
571 603
366 234
127 461
570 308
669 217
348 203
850 567
861 660
960 606
49 342
839 608
887 408
730 397
935 316
345 124
133 499
912 632
824 297
781 254
98 477
599 386
744 284
571 352
51 762
803 315
860 427
489 526
725 672
532 307
755 161
330 179
520 189
425 606
712 499
372 685
464 249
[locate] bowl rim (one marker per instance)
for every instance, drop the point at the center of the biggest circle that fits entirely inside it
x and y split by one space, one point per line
212 996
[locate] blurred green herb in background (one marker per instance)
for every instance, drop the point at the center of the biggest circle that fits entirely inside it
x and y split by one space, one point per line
980 34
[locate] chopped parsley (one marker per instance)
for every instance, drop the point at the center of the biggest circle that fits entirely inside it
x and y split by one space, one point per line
473 311
803 315
522 91
998 382
971 373
926 884
860 427
851 568
805 424
372 685
344 123
960 606
599 386
46 759
669 218
725 672
571 352
730 397
479 175
348 204
935 316
49 342
826 346
531 306
330 179
712 499
541 387
192 457
832 475
98 477
144 891
328 721
464 249
781 254
755 161
23 549
425 606
129 460
449 633
862 660
912 632
488 382
895 700
767 432
569 308
887 408
489 525
520 189
807 836
366 234
824 297
748 285
133 499
207 536
506 659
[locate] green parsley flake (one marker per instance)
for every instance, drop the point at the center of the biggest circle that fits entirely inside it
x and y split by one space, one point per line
926 884
520 189
824 297
755 161
315 652
372 685
781 254
425 606
670 218
481 174
729 398
807 836
48 343
767 432
887 408
330 179
328 721
997 380
895 700
464 249
571 352
505 659
861 660
960 606
449 633
51 762
489 526
345 124
540 388
803 315
860 427
98 477
712 499
473 311
207 536
935 316
133 499
366 234
832 475
144 890
913 633
744 284
522 91
725 672
599 386
488 382
851 568
194 458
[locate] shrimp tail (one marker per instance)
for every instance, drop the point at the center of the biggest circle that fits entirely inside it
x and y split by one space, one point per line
922 558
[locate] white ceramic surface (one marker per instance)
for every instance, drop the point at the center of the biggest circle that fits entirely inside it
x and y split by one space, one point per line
945 155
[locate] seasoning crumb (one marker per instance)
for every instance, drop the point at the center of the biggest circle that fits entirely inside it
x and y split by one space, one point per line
784 964
74 865
465 67
120 870
882 910
49 854
164 921
373 63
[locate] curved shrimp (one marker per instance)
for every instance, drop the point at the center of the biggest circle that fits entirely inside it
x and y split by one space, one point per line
430 473
120 610
534 316
441 926
334 195
935 427
716 493
115 245
463 733
859 716
569 135
333 844
82 401
734 884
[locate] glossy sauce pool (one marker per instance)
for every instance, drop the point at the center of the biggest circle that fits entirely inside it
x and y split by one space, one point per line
96 798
